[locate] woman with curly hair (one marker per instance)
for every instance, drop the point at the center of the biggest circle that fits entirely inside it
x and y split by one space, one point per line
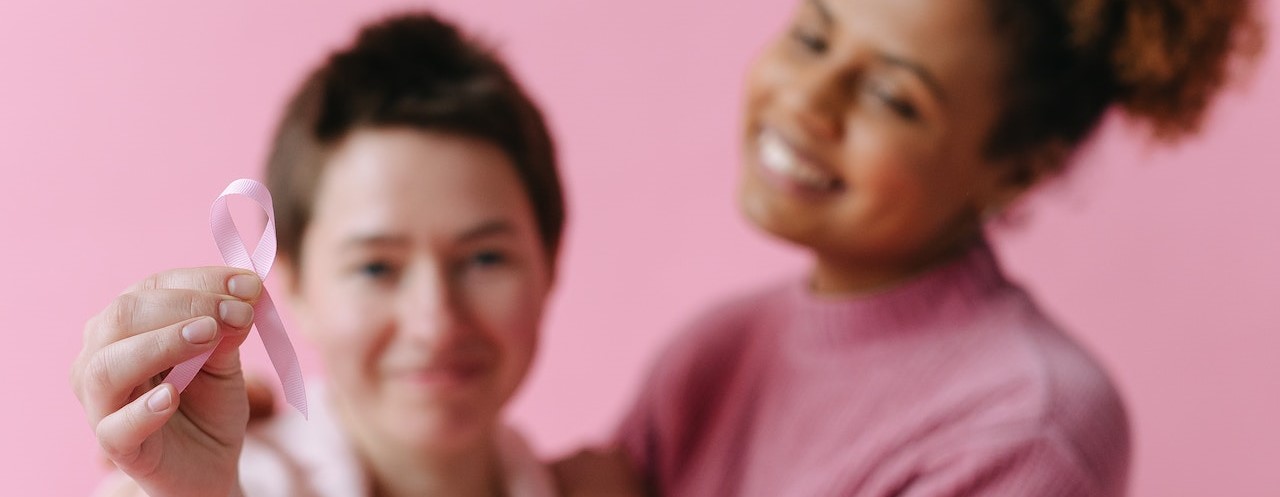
880 136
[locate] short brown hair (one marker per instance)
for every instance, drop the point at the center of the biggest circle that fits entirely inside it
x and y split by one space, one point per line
1161 61
416 70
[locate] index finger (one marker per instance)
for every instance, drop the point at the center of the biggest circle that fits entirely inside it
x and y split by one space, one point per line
223 280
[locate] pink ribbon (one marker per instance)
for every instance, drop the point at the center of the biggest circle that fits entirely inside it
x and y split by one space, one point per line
265 317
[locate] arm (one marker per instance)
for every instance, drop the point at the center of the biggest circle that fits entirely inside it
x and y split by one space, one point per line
1042 465
618 469
603 472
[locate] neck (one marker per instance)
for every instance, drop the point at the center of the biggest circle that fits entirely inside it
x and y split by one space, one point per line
842 274
397 468
398 471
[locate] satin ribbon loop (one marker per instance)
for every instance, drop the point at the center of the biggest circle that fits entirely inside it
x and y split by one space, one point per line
265 317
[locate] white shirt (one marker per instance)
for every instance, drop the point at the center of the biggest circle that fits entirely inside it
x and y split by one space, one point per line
288 456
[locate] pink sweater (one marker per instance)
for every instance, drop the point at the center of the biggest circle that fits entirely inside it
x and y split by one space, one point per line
953 384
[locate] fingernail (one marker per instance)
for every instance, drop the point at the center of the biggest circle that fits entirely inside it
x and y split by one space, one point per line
200 331
160 400
235 313
244 286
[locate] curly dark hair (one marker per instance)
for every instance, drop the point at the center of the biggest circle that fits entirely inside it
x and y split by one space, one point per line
1160 61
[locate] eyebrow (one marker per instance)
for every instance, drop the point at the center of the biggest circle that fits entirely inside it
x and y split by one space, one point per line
923 74
375 240
493 227
920 72
823 11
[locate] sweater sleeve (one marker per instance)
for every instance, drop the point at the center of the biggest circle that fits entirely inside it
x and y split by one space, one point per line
1041 465
640 433
681 392
637 435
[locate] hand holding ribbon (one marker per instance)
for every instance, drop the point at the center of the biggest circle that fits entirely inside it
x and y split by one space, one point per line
266 319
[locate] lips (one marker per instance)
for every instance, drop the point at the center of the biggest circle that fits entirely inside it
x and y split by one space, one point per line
793 168
442 376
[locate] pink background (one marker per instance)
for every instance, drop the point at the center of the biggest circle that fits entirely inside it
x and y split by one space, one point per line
120 121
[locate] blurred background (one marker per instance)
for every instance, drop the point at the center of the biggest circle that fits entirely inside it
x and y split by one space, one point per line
121 121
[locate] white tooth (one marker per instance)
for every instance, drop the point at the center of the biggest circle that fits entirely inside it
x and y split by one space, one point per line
778 157
775 155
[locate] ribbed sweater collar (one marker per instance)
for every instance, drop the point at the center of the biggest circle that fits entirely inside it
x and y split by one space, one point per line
949 292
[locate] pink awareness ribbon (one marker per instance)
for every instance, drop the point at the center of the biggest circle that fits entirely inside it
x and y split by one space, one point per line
265 317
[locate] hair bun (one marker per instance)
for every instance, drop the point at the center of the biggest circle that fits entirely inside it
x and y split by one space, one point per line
1171 57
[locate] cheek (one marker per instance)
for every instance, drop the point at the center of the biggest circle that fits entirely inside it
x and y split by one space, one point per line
508 309
890 199
766 74
349 329
884 170
890 188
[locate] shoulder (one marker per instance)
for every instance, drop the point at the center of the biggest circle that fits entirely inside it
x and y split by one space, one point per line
1082 404
1013 460
714 346
685 384
1074 389
268 466
288 455
723 328
266 471
1013 351
1044 392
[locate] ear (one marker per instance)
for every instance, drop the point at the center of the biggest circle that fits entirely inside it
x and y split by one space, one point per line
1022 173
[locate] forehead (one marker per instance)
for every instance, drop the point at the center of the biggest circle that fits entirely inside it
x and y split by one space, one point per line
400 177
954 39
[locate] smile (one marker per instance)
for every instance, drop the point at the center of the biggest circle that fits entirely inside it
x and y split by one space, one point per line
792 169
442 377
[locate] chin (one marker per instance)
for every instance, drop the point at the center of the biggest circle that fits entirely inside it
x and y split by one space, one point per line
444 431
773 217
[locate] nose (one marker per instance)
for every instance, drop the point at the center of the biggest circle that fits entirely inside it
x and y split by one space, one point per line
429 307
816 99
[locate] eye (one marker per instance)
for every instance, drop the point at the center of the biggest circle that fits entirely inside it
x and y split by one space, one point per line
376 270
891 100
901 107
811 40
487 258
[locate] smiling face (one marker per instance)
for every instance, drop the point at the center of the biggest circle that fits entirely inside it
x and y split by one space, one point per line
422 282
864 135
